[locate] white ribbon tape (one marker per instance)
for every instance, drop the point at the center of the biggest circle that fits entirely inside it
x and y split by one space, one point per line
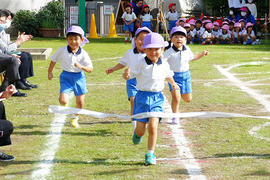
100 115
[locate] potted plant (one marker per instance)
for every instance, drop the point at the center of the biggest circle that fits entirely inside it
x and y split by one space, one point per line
51 19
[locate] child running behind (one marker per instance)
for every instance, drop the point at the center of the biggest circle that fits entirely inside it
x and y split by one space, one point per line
150 72
129 18
74 60
178 57
146 17
131 57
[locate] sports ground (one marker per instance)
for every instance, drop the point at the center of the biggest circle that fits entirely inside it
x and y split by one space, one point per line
223 134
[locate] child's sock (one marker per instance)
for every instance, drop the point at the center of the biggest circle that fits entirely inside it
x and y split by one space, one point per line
150 151
126 38
133 123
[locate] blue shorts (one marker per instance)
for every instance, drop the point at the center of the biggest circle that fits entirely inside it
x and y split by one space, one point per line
73 82
148 102
172 24
129 27
183 80
224 42
146 24
131 88
249 41
196 39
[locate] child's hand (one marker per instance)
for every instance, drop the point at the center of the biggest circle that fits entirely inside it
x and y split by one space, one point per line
9 91
175 87
77 65
109 71
126 74
50 75
205 52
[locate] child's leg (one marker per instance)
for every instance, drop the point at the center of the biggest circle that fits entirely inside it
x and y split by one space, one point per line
80 101
187 97
140 128
175 101
63 99
152 133
126 35
131 99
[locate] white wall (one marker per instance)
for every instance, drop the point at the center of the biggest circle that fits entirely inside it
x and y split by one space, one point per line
16 5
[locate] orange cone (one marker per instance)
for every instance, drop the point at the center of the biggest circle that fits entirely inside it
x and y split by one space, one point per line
93 28
112 32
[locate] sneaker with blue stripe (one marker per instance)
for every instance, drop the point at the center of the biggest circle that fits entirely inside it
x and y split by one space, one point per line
150 159
136 139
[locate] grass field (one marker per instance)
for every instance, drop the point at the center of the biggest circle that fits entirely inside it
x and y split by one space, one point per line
102 148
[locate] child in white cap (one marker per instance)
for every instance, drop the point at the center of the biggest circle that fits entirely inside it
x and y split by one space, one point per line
178 57
130 57
150 72
74 61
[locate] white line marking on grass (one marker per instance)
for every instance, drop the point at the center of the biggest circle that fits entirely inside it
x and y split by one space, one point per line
255 129
51 147
185 155
251 92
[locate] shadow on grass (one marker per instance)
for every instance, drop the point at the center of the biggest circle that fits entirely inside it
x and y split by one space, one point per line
180 171
261 172
42 133
26 172
239 155
95 161
106 122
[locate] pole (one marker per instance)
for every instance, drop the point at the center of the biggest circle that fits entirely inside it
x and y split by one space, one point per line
82 14
163 20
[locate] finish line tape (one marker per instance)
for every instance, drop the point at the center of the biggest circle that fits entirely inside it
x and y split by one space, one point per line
100 115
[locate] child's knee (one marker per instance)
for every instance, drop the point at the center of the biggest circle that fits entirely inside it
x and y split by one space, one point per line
80 103
63 101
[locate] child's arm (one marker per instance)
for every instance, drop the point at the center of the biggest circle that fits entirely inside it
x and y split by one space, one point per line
50 69
126 74
84 68
200 55
172 82
115 68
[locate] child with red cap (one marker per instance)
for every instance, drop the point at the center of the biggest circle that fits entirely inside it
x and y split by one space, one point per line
146 17
172 16
74 61
150 72
129 18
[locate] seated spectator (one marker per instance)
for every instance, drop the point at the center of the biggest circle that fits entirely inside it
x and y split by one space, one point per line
216 32
189 33
208 37
26 67
237 37
6 127
199 30
225 36
249 35
231 26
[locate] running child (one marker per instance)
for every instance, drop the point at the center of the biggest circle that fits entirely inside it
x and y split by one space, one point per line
74 61
146 17
178 57
172 16
150 72
131 56
129 18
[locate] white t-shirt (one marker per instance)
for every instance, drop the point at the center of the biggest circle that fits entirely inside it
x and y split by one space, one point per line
199 31
216 33
67 59
179 60
225 36
149 76
207 34
191 33
172 16
146 17
252 34
131 56
253 9
129 17
235 35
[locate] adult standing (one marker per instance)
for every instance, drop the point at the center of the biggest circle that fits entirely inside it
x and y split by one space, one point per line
245 14
137 6
6 127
